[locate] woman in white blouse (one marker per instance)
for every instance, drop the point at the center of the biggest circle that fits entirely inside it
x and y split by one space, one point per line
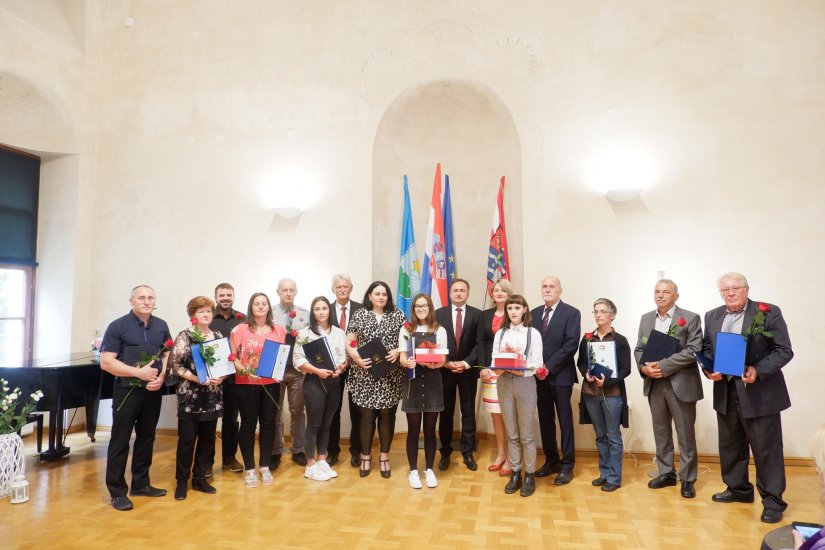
322 392
517 392
423 396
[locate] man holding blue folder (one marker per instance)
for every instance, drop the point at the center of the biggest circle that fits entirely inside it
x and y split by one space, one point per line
748 408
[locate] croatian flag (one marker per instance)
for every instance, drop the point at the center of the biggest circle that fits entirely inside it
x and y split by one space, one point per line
434 277
498 263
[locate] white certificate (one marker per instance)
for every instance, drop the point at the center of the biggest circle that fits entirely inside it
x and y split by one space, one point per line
222 366
605 355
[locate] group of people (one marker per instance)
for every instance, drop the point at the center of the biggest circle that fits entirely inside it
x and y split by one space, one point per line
548 337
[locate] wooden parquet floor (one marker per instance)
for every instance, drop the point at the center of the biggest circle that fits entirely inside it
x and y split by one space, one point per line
69 508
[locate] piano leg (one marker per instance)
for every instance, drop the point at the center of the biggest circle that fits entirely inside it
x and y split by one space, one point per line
56 450
92 406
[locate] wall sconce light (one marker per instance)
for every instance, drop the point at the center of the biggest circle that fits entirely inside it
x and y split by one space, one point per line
622 195
288 212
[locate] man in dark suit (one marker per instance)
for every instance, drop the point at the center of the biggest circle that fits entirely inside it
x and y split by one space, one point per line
748 408
343 308
461 323
560 327
672 386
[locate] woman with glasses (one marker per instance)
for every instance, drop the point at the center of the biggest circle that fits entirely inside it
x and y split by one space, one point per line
603 400
423 396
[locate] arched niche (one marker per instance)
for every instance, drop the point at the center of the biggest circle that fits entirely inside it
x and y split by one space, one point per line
466 127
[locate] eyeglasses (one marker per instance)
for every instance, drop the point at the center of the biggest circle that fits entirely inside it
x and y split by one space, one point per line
731 289
601 312
422 306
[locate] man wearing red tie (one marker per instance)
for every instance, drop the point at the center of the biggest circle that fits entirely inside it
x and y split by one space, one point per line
461 323
344 308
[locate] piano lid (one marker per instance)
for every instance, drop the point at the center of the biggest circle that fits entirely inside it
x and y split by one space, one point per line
57 361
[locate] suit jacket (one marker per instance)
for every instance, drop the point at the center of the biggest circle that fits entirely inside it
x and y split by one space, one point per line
485 337
681 367
353 307
769 394
466 351
560 342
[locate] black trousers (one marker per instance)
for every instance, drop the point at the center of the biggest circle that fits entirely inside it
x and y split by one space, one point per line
386 428
230 425
321 399
553 400
195 437
762 435
466 384
139 410
355 423
256 403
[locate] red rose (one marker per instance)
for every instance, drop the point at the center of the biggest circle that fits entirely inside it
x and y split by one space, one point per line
588 335
169 343
407 325
293 333
193 320
542 372
231 357
764 308
353 344
292 314
681 322
238 315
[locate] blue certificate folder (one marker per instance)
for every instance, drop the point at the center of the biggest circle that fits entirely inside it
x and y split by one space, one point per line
729 356
659 346
273 360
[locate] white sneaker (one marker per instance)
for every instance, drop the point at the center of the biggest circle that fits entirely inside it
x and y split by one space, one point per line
431 480
324 465
251 479
316 472
414 479
266 476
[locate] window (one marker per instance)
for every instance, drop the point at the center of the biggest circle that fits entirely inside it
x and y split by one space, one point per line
19 190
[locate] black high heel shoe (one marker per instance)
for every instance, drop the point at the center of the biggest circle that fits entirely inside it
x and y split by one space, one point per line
385 472
366 466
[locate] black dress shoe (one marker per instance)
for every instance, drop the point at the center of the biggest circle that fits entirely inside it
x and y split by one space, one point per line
730 496
609 487
664 480
355 461
444 463
332 460
771 516
514 484
232 465
548 469
180 491
470 462
564 477
122 504
203 486
148 491
274 462
688 490
529 486
299 458
598 482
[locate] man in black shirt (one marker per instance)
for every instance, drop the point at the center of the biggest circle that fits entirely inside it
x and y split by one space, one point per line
137 399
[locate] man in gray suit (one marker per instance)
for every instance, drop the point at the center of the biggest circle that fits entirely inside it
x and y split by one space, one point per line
748 409
672 386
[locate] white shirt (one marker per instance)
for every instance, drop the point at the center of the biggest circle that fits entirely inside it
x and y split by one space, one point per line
516 337
336 344
663 325
339 307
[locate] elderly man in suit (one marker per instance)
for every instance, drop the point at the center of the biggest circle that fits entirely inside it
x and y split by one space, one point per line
343 310
672 386
748 409
560 327
461 323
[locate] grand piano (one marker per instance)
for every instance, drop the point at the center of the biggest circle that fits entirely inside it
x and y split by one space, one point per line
67 382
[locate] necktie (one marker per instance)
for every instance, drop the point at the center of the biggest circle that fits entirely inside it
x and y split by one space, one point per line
459 327
545 320
342 322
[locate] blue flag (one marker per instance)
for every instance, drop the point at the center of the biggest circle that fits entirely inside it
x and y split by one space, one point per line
409 272
449 240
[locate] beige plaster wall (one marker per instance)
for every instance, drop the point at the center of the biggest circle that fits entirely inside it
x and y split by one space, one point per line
192 124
